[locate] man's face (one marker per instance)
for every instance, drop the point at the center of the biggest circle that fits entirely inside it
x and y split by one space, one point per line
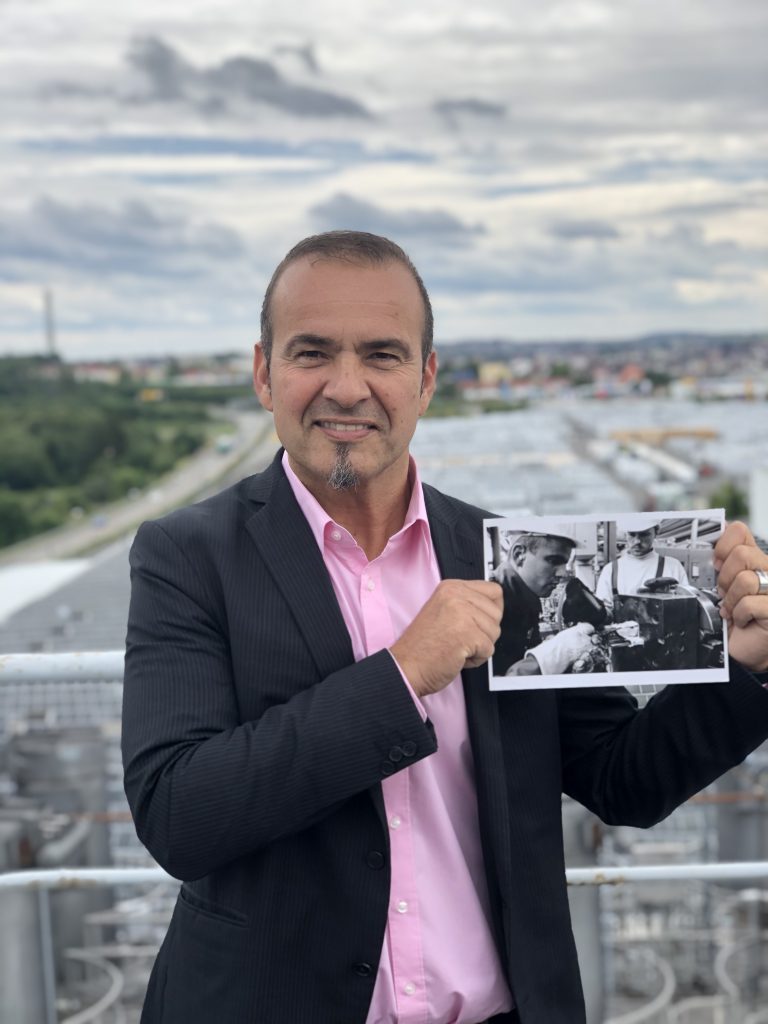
543 568
641 542
346 383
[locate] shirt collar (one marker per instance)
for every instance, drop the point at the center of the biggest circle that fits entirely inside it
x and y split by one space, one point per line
320 522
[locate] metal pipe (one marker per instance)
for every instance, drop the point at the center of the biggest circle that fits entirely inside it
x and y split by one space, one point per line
72 666
82 878
667 872
46 954
56 878
660 1003
116 981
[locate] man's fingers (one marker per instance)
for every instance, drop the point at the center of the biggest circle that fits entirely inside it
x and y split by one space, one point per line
734 535
457 627
740 558
750 609
744 585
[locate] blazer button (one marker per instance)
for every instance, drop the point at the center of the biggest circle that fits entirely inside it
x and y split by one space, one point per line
396 754
387 768
362 970
409 748
375 860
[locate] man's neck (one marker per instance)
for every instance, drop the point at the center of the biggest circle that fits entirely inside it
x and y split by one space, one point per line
372 512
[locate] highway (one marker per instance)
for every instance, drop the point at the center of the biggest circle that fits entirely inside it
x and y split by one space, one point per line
253 444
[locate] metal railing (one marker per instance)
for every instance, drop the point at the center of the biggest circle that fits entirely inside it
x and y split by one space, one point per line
91 668
61 878
75 666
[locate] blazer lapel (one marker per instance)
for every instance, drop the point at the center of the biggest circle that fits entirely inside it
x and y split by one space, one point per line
288 547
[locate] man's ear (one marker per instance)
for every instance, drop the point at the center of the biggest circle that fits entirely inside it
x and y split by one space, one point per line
261 384
428 382
517 554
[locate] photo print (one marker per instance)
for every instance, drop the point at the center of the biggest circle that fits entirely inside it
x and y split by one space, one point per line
606 600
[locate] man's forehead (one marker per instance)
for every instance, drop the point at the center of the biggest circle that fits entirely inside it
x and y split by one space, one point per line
347 302
310 284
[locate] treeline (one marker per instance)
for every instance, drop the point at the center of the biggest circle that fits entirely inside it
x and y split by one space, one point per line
67 445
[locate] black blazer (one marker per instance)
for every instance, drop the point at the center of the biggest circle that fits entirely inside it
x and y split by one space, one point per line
254 748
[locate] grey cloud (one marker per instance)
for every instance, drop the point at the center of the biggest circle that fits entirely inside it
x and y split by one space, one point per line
473 108
131 239
168 77
305 54
712 207
346 211
599 230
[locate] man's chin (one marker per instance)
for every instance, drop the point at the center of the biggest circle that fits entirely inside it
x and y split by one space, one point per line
343 475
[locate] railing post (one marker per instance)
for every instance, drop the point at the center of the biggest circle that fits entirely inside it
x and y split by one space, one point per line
47 963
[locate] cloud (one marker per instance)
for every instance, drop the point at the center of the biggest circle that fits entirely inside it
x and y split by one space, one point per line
346 211
305 54
131 239
573 230
453 110
169 77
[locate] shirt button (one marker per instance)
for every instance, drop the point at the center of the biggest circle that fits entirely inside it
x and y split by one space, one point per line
409 989
402 907
395 821
335 535
370 585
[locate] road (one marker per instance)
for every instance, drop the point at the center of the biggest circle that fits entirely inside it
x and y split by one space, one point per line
208 470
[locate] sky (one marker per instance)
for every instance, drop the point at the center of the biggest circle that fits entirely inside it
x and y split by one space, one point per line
556 170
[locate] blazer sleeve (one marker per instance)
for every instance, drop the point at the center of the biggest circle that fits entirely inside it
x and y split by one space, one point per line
206 787
634 767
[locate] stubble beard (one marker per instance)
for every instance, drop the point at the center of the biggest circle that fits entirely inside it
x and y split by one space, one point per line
343 476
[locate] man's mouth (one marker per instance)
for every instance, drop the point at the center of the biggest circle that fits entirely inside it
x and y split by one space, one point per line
344 428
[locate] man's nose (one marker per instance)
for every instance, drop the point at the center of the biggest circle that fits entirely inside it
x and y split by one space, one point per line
346 384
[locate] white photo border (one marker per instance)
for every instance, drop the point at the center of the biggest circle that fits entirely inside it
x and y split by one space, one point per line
657 677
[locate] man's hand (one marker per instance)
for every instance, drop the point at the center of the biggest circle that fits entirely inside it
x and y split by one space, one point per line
457 628
736 557
557 653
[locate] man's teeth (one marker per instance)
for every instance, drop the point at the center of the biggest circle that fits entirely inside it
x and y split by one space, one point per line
344 426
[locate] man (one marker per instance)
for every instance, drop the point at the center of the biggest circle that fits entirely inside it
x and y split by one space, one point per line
534 566
364 836
637 564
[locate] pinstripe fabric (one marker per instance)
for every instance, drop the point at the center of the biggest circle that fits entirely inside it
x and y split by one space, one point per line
254 748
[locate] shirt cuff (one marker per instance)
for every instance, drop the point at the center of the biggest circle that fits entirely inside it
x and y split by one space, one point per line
419 706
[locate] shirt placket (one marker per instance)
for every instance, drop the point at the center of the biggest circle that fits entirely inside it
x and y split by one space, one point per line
404 925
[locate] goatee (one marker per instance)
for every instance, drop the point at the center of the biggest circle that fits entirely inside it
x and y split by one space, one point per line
343 476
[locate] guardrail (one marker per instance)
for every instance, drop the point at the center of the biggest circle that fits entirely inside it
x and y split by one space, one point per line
72 666
64 878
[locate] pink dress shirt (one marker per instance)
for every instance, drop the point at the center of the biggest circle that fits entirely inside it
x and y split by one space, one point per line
439 963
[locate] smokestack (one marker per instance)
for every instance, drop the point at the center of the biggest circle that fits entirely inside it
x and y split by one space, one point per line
50 322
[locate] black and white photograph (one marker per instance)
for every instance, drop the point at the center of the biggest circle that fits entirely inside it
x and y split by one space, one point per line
591 598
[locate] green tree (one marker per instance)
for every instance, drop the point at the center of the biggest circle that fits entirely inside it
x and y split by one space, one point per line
14 524
24 461
732 498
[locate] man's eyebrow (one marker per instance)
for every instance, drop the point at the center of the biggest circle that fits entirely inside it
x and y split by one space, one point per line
394 344
311 340
370 345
